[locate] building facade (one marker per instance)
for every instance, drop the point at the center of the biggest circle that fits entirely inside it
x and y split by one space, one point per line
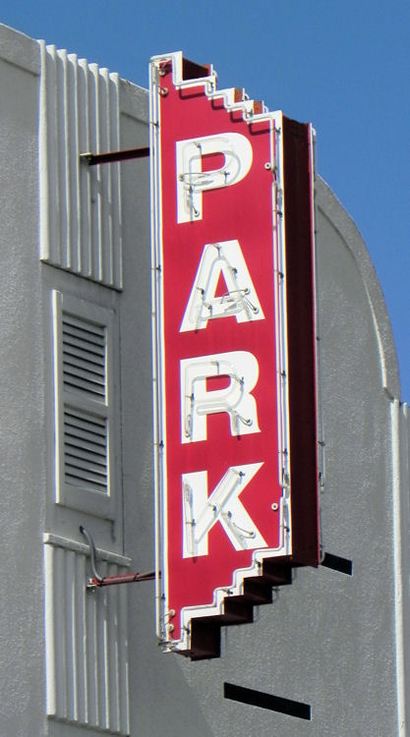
330 654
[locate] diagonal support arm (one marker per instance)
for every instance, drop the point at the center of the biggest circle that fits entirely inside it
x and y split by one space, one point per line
97 581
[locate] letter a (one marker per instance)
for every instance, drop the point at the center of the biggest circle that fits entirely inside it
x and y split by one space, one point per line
240 299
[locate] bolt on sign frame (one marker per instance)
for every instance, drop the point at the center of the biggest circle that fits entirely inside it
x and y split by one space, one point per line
233 265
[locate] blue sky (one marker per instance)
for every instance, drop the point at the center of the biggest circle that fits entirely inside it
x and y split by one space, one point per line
345 66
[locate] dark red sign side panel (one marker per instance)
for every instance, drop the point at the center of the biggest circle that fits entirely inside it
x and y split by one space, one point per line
301 328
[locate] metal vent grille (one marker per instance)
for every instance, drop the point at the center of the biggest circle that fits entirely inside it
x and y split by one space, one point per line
84 356
85 450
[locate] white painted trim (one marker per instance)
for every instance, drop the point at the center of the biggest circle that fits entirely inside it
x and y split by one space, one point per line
51 696
49 538
398 571
86 641
158 348
80 206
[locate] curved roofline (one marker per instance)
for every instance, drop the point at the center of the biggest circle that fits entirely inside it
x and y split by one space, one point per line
333 210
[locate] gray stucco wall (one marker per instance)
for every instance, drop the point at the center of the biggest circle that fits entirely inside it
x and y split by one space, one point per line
336 642
329 640
23 478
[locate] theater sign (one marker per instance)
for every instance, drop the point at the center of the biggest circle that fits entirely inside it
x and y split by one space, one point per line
234 336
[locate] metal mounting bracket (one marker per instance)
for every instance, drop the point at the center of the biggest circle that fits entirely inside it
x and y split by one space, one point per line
111 156
97 581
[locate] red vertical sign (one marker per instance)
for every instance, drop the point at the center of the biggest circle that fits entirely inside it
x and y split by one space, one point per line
224 464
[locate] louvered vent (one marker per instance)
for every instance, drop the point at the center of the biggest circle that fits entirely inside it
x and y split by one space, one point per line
85 336
84 348
84 356
85 450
